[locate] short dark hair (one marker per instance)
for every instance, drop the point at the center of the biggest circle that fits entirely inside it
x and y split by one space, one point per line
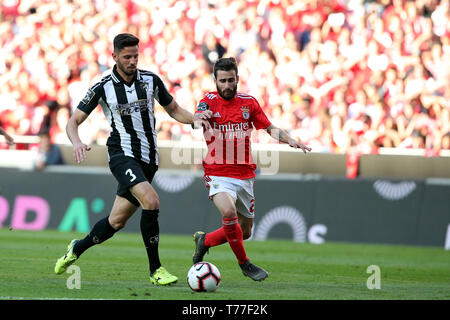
123 40
225 64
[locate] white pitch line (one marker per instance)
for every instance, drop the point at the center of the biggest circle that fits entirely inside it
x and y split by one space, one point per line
46 298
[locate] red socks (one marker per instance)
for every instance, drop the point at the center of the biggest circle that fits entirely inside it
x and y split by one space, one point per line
215 238
231 231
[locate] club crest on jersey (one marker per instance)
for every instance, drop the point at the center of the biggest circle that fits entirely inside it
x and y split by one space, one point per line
144 85
245 112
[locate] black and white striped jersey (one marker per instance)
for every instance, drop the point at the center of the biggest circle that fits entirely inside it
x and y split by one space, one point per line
129 108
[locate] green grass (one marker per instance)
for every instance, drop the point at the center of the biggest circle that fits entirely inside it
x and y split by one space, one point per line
118 269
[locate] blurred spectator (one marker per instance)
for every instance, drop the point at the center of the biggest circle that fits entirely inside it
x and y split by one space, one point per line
445 141
212 50
164 131
8 138
48 153
356 74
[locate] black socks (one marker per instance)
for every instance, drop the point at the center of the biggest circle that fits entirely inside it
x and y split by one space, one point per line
150 235
101 231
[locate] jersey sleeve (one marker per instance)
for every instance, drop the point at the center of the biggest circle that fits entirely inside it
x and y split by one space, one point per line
90 100
260 120
162 95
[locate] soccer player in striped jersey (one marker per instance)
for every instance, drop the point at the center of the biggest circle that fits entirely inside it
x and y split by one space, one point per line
228 165
127 97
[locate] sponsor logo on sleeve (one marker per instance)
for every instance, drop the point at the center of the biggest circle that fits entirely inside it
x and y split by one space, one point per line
88 97
203 106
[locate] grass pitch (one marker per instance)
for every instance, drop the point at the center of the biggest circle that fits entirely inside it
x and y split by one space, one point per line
118 269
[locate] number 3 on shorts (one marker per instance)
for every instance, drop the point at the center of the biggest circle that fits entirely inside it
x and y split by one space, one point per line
129 172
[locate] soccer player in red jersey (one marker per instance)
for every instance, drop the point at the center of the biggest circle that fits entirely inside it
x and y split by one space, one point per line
229 167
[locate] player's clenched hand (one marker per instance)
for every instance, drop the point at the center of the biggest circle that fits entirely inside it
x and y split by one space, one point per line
297 144
80 151
201 119
205 115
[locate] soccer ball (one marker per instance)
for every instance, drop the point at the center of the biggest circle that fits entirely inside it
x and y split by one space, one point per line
203 277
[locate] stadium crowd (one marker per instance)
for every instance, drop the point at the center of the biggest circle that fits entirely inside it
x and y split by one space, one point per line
339 75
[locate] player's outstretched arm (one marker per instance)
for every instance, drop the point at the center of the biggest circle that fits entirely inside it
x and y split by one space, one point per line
184 116
79 148
282 136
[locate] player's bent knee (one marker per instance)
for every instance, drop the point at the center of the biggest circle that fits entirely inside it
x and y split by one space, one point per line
229 214
117 224
150 203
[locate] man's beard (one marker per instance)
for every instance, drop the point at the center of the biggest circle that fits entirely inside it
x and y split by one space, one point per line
227 94
122 68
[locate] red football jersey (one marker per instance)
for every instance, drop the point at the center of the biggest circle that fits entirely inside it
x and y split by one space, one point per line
228 142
